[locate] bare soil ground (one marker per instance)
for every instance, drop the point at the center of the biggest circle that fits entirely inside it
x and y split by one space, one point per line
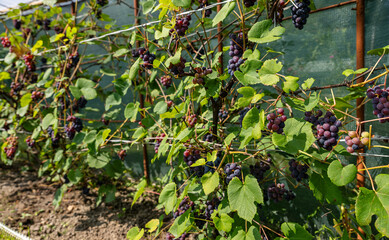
26 206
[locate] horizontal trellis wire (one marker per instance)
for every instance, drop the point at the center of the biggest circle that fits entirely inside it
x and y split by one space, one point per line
12 233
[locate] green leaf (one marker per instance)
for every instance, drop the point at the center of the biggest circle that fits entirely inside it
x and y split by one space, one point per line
59 195
340 175
379 51
75 175
181 224
210 181
98 161
89 93
160 107
223 223
168 197
140 189
135 234
242 196
85 83
182 3
267 73
290 84
163 34
131 111
147 6
174 59
324 189
311 102
223 13
370 202
251 119
4 76
134 70
113 99
25 100
76 92
121 52
294 231
49 2
261 33
308 83
152 225
47 121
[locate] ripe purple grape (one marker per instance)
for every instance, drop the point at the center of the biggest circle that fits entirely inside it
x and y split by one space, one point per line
232 170
276 122
236 53
297 170
300 13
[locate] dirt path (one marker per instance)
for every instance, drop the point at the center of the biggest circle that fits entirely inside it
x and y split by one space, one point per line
26 206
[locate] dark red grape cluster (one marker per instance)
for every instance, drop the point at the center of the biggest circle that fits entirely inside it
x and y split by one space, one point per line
122 154
191 156
5 42
200 74
277 192
208 137
46 24
75 125
184 206
36 95
280 10
147 57
204 3
182 24
12 146
223 114
236 52
210 206
166 81
298 171
249 3
191 120
212 166
276 122
380 99
28 60
17 24
301 13
79 104
158 141
242 114
54 137
327 131
58 29
73 60
313 117
232 170
30 142
137 52
354 142
260 168
105 121
70 131
178 68
169 103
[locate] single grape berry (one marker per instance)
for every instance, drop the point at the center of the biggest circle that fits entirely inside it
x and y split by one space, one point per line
249 3
300 13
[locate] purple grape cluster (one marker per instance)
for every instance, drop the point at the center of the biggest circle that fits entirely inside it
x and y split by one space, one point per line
30 142
276 122
208 137
200 74
54 138
166 81
232 170
73 60
46 24
260 168
148 58
327 131
15 88
17 24
5 42
313 117
158 141
236 52
191 156
75 125
280 10
298 171
178 68
12 146
354 142
70 131
182 24
191 120
210 206
277 192
204 3
212 166
184 206
122 154
35 95
223 114
301 13
249 3
380 100
79 104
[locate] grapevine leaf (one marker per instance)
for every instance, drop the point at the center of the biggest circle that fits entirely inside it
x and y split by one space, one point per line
140 189
308 83
324 189
47 121
75 175
168 197
223 223
210 181
251 234
242 196
340 175
251 119
311 102
163 34
131 111
76 92
174 59
182 3
49 2
147 6
135 234
247 92
134 70
223 13
181 224
89 93
84 83
98 161
113 99
379 51
247 78
261 33
290 84
121 52
370 202
25 100
294 231
152 225
59 195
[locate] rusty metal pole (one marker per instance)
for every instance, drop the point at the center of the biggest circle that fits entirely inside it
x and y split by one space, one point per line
220 39
142 103
360 52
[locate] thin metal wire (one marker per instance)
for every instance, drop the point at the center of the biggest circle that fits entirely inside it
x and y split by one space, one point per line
13 233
